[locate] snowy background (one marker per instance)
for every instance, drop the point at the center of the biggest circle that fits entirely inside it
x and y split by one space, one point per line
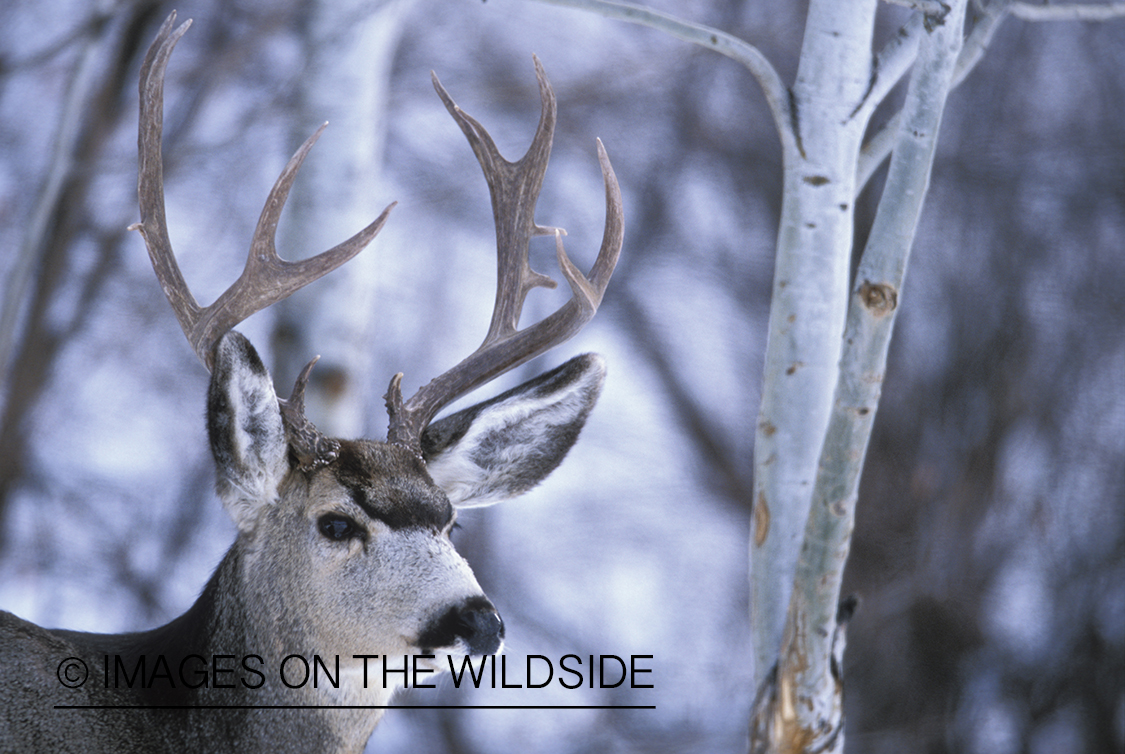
990 546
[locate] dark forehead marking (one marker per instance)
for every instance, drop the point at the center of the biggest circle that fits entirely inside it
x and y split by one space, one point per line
391 485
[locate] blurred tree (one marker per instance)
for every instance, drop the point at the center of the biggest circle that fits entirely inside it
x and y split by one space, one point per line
347 46
991 513
819 400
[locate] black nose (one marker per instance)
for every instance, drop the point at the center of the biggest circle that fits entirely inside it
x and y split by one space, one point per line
474 621
481 628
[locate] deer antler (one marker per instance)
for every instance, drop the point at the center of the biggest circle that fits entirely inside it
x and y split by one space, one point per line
266 279
514 188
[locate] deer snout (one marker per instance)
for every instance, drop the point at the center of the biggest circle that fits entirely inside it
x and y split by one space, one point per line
472 625
482 629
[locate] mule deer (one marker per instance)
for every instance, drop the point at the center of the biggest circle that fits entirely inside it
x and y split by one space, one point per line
343 552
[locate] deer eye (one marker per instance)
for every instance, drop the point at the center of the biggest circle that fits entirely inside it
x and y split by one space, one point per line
338 528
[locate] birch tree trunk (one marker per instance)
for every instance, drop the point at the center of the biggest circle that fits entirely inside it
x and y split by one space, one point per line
821 383
810 292
828 335
350 48
803 710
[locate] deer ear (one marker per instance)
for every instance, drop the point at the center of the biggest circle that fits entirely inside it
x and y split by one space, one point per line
505 446
246 432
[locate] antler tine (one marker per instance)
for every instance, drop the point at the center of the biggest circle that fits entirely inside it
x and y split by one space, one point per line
312 448
266 278
150 175
514 188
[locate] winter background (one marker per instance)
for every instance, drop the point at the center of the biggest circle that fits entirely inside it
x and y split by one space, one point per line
989 554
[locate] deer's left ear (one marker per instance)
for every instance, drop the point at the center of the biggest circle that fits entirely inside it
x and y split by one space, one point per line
246 432
505 446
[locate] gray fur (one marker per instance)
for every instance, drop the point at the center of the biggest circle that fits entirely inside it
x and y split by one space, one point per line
397 587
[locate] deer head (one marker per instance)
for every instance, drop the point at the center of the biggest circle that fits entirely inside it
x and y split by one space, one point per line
343 544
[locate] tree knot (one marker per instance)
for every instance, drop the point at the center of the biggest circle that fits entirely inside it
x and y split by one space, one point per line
880 298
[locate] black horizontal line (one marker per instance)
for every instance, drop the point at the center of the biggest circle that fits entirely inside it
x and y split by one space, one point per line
353 706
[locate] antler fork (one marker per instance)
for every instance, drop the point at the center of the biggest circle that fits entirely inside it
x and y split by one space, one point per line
267 278
514 188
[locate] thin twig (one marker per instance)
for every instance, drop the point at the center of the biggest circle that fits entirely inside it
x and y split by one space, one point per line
891 64
59 170
933 7
1068 12
875 151
776 93
877 148
979 38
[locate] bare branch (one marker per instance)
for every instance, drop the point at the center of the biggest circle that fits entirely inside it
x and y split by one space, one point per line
808 303
61 165
876 149
776 93
809 704
891 64
933 7
1068 11
977 41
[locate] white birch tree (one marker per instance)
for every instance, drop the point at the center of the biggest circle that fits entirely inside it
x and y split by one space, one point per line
142 496
829 332
349 46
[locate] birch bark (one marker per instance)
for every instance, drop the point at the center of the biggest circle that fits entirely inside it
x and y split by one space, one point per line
810 293
828 337
350 47
805 709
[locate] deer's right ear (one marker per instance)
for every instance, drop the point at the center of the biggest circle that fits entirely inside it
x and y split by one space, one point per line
246 431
